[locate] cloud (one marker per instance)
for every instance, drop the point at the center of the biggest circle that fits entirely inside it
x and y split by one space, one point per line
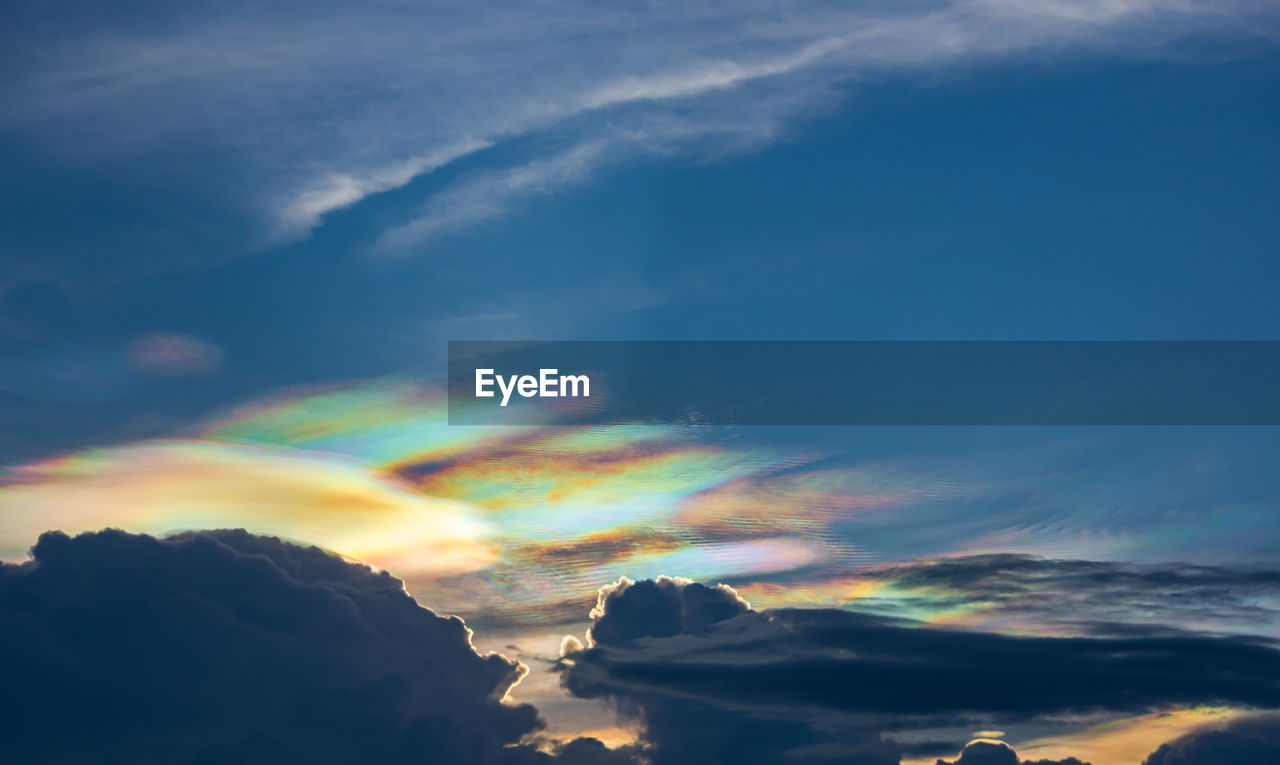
224 646
488 197
228 647
678 726
304 210
664 607
170 354
986 752
1244 741
355 469
165 486
982 752
1013 592
288 116
775 682
221 644
590 751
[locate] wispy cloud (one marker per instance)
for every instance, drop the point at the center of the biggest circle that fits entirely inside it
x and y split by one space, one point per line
303 114
305 208
488 196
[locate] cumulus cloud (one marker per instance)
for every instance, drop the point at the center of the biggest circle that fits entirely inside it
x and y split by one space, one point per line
682 725
664 607
301 113
983 752
764 684
590 751
986 752
228 647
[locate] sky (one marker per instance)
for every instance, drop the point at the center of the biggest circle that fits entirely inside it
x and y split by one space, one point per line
235 239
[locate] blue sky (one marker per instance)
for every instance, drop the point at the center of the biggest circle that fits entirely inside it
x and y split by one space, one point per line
1080 197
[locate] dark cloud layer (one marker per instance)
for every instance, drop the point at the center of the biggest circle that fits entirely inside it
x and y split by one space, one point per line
222 646
226 647
820 682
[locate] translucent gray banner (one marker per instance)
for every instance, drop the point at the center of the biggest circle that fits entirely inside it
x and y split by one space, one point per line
865 383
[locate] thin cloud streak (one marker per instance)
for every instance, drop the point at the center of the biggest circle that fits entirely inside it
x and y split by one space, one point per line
306 208
488 197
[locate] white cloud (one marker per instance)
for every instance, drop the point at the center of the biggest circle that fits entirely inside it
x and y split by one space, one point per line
308 110
486 197
306 206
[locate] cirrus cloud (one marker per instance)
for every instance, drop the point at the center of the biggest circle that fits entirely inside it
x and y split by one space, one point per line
285 116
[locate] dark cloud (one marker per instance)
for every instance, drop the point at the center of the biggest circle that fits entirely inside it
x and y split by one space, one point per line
226 647
983 752
682 727
661 608
1089 597
786 681
223 646
986 753
928 748
679 730
1246 741
590 751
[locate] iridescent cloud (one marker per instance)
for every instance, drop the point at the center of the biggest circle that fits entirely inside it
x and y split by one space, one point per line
572 506
166 486
552 512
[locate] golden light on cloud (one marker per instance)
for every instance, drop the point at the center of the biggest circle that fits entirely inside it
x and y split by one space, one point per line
166 486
